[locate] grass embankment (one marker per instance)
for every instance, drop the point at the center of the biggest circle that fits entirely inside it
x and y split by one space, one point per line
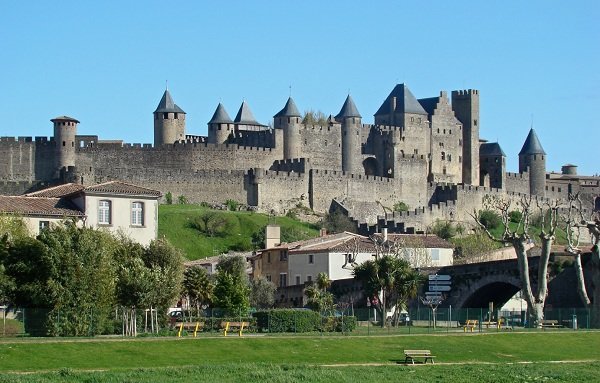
174 222
34 355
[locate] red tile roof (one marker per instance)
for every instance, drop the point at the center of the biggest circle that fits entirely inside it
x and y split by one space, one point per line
57 191
38 206
119 187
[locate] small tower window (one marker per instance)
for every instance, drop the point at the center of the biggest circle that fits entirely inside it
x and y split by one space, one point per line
165 116
175 116
474 122
64 143
443 156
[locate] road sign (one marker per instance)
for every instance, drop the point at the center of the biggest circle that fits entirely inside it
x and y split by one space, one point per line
433 293
439 288
440 283
439 277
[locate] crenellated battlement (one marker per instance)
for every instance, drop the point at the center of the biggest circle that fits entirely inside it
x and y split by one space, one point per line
465 92
299 165
350 176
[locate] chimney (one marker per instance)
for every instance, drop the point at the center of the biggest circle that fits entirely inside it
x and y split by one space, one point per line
384 234
323 232
272 236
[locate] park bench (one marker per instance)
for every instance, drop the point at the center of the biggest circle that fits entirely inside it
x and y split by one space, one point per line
414 354
189 327
470 325
550 323
228 326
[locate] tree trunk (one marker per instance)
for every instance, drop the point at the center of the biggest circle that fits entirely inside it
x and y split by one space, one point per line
581 290
534 308
595 306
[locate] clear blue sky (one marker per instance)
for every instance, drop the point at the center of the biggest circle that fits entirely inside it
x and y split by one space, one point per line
106 62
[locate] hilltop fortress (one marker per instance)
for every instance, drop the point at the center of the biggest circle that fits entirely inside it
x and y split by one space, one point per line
425 152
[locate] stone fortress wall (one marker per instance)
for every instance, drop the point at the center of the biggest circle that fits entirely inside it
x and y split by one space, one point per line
423 152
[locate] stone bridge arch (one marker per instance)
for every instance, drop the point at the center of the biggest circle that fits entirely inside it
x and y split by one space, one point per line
477 294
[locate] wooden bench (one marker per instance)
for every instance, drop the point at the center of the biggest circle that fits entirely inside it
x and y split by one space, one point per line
414 354
189 326
550 323
470 325
227 326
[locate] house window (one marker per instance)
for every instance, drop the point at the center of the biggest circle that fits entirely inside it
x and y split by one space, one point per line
311 258
43 225
268 276
268 257
298 279
282 256
104 212
137 214
282 279
309 278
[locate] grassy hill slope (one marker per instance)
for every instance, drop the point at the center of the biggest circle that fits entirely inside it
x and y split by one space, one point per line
175 223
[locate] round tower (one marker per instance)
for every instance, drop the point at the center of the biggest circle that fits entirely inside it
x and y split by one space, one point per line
220 126
65 130
289 119
532 159
351 141
169 121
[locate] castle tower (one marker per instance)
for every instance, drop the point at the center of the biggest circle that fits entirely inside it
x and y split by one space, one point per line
220 126
492 165
466 108
65 130
289 120
169 121
351 141
532 158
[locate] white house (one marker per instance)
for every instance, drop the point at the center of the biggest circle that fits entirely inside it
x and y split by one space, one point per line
114 206
299 262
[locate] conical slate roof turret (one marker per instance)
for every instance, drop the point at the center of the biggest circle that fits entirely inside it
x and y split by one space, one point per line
166 104
405 102
532 144
245 116
289 110
220 116
348 109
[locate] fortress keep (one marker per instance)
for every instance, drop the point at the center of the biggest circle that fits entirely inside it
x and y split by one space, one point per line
424 152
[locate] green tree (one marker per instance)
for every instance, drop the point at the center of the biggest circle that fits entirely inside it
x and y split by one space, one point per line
232 288
400 206
11 229
212 224
388 282
314 118
262 294
337 222
318 298
198 287
165 264
169 198
443 229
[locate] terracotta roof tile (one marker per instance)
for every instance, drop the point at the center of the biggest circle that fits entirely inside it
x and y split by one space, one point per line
57 191
38 206
119 187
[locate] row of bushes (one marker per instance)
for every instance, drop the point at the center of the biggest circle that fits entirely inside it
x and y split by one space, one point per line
301 321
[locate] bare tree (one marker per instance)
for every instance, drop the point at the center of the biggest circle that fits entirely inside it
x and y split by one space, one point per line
519 237
575 222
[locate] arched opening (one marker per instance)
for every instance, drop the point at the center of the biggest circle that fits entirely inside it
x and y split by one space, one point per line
596 204
497 292
370 165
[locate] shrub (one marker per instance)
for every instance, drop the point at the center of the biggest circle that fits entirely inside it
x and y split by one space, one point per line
182 200
232 205
287 320
515 216
169 198
443 229
400 206
490 219
345 324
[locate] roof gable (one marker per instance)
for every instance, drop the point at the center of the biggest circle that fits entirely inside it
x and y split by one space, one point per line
38 206
122 188
405 102
244 116
57 191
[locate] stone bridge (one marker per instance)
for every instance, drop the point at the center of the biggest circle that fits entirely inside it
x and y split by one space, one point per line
475 285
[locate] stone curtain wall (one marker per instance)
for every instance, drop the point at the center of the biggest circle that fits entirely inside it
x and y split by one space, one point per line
26 158
323 145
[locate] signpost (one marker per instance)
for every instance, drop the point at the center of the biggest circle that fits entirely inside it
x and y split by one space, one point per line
438 283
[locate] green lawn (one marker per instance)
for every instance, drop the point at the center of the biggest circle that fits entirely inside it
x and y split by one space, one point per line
174 223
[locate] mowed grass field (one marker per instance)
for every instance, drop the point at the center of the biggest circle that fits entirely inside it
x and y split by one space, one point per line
502 357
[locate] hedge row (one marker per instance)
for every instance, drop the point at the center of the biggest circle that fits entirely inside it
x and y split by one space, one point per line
286 320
